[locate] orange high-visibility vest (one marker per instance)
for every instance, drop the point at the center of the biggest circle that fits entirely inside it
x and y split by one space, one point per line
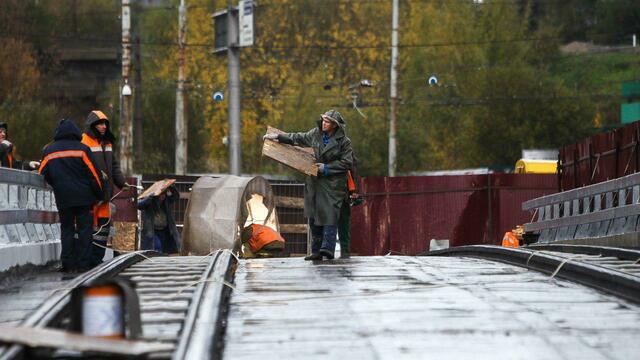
261 236
101 211
351 185
510 240
94 144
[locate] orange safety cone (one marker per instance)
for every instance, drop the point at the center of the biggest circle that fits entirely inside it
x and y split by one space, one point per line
510 240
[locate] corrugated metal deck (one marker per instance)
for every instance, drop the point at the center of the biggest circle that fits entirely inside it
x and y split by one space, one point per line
418 307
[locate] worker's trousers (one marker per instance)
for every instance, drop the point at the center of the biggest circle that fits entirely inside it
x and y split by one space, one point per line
323 237
99 243
75 236
344 224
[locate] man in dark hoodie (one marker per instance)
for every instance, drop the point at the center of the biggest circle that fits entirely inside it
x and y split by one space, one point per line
98 137
68 166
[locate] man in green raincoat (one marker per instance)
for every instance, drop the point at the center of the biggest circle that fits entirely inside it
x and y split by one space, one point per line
324 194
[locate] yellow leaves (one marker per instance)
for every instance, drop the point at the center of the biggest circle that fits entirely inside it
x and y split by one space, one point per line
19 74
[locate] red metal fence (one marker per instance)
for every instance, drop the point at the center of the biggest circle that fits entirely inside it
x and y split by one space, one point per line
402 214
601 157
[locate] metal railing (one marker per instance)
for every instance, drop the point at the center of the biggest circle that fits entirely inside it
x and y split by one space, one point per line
604 209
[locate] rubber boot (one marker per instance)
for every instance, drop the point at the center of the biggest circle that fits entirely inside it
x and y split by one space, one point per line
328 248
316 243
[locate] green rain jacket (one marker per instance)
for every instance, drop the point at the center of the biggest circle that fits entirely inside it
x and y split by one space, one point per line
325 194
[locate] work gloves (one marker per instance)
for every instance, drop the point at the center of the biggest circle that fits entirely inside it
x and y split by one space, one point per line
6 145
273 137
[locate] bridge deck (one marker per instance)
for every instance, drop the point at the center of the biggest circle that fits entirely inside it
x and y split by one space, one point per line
19 298
417 307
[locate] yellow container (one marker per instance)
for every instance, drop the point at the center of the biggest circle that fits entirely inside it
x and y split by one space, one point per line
526 166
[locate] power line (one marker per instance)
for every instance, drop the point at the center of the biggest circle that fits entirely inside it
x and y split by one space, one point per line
385 47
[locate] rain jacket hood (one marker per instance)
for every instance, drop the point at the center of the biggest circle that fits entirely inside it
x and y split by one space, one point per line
67 130
94 117
336 117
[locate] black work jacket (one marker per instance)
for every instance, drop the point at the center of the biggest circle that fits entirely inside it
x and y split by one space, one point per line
68 166
107 163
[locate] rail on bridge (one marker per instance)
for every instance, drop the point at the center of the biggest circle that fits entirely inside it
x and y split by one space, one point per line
601 214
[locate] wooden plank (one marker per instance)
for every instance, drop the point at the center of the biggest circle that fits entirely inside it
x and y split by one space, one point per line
290 202
59 339
157 188
300 159
293 228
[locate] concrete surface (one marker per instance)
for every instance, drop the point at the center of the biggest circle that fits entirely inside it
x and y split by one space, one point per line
28 231
36 253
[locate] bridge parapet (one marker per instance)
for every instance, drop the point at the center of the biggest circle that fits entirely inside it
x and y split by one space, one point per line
29 227
605 213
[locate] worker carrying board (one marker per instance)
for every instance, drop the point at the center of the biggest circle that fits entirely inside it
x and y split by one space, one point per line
326 164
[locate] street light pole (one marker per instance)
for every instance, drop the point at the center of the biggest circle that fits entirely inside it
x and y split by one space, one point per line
233 53
126 109
394 93
181 115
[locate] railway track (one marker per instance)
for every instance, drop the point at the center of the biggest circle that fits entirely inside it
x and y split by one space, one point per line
612 270
181 300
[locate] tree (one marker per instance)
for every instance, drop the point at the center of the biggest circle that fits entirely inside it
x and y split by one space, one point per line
495 97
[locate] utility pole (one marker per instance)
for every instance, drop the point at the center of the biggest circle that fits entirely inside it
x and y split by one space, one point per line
394 92
181 116
233 54
126 123
137 100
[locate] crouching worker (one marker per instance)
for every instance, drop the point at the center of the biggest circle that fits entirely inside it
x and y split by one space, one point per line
159 230
68 166
261 241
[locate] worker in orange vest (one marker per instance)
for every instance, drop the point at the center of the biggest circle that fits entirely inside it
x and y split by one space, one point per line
98 137
69 167
510 240
8 150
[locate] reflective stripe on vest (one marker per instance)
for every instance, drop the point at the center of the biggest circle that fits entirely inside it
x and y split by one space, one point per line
94 144
71 153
